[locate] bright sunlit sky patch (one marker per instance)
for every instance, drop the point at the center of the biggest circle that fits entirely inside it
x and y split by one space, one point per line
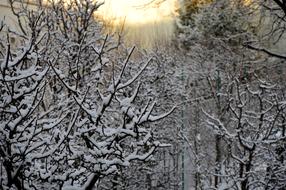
145 22
137 11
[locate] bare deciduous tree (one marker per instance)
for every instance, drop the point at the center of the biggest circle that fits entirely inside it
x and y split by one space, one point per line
71 109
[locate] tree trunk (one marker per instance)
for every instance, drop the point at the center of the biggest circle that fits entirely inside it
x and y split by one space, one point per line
92 182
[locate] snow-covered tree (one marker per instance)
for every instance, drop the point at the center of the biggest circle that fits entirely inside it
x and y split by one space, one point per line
71 105
253 134
214 40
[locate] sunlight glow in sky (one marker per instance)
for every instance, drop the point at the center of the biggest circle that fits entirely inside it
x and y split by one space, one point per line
144 22
137 11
